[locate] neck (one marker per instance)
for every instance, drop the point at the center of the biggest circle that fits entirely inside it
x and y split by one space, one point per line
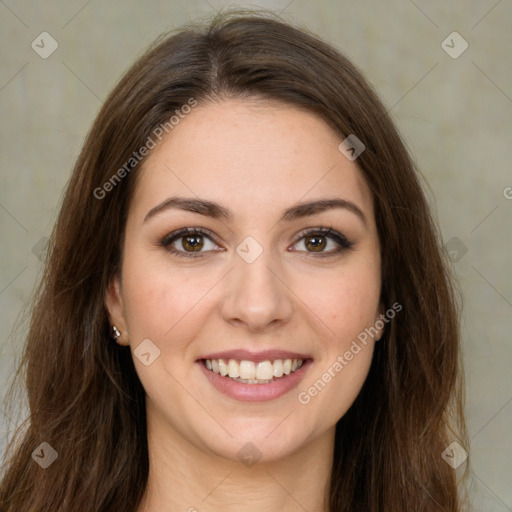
184 477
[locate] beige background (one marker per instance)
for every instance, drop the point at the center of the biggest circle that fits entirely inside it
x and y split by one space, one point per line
455 116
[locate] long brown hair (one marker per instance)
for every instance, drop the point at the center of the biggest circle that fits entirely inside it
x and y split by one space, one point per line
85 398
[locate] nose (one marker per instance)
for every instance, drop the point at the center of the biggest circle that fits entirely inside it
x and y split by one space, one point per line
256 295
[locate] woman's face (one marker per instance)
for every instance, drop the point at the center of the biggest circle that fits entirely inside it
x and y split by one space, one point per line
260 283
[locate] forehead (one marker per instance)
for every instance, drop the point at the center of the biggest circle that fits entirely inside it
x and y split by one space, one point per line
255 157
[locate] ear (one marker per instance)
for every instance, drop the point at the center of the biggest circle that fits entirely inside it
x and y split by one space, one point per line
115 308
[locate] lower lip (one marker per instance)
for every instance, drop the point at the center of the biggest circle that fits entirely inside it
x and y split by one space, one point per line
256 392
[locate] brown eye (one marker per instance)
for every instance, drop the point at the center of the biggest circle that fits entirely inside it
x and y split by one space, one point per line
192 243
315 243
189 242
322 242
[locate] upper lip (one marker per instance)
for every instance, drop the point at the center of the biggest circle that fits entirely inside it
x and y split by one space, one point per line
264 355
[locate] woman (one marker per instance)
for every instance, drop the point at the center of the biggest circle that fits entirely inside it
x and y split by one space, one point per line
245 222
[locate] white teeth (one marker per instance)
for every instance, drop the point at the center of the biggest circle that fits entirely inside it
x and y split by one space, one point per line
278 368
249 372
264 370
223 368
234 369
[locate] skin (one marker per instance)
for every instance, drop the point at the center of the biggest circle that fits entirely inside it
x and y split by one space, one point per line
256 158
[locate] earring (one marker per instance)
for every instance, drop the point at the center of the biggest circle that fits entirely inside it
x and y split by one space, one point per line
115 333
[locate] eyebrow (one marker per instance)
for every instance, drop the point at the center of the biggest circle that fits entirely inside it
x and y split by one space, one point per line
216 211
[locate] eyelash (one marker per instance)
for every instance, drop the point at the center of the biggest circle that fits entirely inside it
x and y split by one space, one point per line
339 238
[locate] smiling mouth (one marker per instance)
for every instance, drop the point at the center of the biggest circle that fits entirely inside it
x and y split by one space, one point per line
250 372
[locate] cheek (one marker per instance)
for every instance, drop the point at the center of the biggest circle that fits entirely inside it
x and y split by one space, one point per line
345 302
340 373
346 305
159 298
